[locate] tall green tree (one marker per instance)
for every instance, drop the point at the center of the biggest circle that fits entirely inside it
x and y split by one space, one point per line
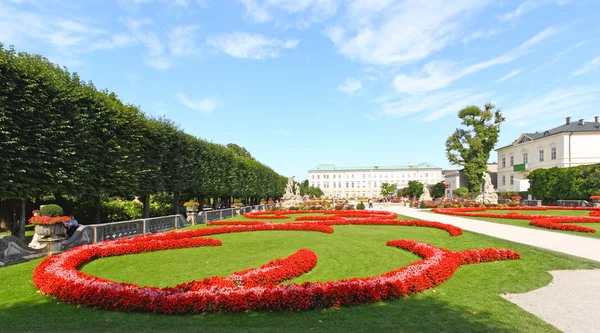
388 189
414 189
240 150
470 147
438 190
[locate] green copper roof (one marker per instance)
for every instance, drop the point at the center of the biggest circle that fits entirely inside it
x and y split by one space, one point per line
332 167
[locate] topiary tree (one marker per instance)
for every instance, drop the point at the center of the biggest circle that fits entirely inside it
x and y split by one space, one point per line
461 192
360 206
51 210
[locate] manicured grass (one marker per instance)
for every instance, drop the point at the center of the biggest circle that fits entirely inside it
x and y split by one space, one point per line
28 232
467 302
525 223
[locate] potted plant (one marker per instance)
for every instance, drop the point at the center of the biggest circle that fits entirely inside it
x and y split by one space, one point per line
191 205
50 221
596 200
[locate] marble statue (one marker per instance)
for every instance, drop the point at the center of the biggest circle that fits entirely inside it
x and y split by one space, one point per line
488 196
426 196
291 199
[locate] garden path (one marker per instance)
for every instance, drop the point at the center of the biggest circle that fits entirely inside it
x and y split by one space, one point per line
579 246
570 302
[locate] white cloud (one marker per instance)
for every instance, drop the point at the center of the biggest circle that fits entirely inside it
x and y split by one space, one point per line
156 56
304 12
588 67
205 105
386 32
554 104
435 105
350 85
440 74
512 73
250 46
182 40
529 6
479 34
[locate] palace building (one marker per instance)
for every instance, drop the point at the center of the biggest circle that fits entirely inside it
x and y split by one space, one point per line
568 145
365 182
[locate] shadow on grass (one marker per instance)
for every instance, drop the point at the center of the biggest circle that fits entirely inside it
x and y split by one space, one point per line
420 313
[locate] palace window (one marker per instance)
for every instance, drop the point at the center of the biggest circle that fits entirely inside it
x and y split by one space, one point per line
503 180
512 180
541 155
525 157
553 153
512 160
504 162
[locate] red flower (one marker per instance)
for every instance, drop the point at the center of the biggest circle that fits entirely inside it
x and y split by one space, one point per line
49 219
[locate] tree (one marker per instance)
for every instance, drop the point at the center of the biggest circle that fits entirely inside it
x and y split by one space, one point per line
388 189
438 190
414 189
461 192
243 152
471 147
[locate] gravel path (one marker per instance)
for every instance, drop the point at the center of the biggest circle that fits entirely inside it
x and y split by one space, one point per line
584 247
571 302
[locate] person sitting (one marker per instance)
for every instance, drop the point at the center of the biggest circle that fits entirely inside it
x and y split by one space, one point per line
71 226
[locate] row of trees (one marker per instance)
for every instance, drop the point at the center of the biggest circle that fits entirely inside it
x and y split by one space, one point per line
575 183
60 134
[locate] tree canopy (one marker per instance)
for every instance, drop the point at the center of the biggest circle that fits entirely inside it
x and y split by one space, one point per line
388 189
470 147
60 134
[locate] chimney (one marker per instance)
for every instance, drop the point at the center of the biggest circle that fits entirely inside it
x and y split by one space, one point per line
568 120
596 119
581 121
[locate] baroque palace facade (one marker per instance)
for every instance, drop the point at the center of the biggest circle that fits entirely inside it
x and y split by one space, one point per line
571 144
365 182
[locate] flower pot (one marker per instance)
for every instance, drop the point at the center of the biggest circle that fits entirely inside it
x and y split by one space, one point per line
50 230
191 208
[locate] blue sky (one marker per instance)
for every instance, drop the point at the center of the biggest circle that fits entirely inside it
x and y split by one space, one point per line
309 81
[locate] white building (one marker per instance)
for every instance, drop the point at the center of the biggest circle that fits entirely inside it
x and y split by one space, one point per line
365 182
571 144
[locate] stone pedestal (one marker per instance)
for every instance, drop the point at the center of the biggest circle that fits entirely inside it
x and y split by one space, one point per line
51 245
192 213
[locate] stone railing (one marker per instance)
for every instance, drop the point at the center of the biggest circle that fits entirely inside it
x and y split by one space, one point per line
221 214
532 203
573 203
126 229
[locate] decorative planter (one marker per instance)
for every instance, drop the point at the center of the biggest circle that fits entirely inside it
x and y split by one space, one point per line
191 209
596 203
49 230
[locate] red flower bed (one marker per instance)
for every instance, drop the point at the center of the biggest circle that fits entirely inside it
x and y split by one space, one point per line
49 219
542 221
252 289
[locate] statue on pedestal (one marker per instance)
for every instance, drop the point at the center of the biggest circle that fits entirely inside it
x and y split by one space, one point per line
488 196
426 196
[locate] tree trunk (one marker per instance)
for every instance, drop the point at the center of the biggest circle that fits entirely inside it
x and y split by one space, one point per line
175 203
98 207
146 202
22 220
201 200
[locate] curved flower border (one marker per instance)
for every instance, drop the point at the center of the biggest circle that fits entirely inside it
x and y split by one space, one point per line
541 221
253 289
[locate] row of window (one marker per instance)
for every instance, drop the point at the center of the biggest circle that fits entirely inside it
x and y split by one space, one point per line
364 176
526 157
512 180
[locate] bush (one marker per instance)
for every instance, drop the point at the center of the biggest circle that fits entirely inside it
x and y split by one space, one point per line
461 192
422 205
122 210
51 210
339 207
360 206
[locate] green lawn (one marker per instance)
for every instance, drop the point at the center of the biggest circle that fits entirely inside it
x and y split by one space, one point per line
467 302
525 223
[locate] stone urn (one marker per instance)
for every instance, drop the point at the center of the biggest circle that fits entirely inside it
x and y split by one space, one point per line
49 230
